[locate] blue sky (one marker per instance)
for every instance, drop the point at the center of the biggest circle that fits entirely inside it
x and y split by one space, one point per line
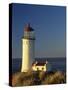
49 23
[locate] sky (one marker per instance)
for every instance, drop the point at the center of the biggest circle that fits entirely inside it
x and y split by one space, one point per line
49 23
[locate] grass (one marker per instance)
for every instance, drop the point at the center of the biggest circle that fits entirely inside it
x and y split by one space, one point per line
38 78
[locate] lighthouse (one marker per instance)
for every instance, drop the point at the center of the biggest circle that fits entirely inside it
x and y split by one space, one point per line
28 48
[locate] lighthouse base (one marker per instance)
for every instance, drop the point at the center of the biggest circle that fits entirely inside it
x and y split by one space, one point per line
24 70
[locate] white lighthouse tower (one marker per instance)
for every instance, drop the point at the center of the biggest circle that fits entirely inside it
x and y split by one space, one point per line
28 48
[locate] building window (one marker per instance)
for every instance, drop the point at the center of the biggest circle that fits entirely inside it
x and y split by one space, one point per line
37 68
42 68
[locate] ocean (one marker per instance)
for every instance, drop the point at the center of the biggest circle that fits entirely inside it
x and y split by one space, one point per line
56 63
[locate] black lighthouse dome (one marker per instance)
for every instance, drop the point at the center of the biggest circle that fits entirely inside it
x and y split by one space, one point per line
29 32
28 28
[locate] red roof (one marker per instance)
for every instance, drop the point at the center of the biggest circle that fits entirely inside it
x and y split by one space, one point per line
39 64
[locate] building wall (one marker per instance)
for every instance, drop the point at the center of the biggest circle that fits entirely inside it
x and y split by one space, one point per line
27 54
41 68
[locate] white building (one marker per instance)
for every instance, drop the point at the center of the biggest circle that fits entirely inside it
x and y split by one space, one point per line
41 66
27 48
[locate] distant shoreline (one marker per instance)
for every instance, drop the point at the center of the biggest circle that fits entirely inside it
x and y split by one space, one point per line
43 57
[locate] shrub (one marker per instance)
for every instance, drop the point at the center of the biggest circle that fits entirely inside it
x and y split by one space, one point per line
56 78
37 78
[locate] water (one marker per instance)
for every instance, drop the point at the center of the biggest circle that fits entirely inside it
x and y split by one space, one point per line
56 63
